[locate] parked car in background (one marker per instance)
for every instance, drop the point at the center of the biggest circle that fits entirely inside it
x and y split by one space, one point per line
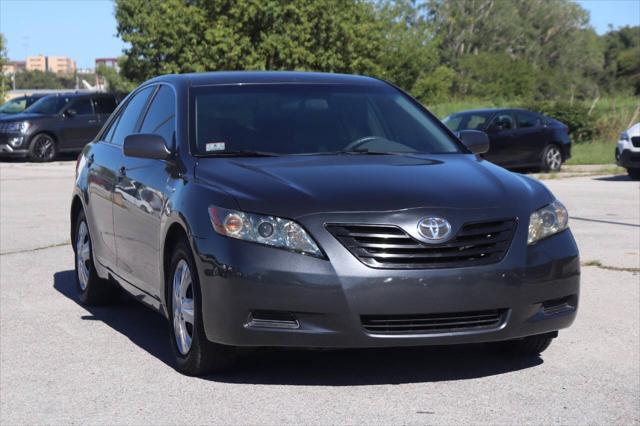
628 151
55 123
19 104
314 210
519 138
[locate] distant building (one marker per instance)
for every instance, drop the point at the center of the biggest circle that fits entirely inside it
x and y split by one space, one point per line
108 62
84 71
55 64
13 67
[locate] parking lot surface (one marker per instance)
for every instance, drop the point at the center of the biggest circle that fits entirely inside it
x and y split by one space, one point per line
64 363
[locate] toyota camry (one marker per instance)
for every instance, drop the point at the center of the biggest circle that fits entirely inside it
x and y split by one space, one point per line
314 210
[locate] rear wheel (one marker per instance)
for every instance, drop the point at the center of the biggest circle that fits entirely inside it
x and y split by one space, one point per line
194 354
42 148
551 158
634 174
529 346
92 290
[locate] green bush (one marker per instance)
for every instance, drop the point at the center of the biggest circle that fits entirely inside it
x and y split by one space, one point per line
582 125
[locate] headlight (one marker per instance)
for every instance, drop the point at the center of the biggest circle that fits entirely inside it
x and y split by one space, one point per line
624 136
18 126
547 221
268 230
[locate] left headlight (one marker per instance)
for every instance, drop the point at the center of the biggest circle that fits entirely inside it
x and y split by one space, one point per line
18 126
269 230
547 221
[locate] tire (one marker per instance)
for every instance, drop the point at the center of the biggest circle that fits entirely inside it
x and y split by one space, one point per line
551 158
634 174
92 290
194 354
42 148
529 346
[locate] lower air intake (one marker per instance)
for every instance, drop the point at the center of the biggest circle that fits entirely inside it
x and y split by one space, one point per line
433 323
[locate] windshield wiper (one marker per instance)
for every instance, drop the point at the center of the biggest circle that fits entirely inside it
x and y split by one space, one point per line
358 151
243 153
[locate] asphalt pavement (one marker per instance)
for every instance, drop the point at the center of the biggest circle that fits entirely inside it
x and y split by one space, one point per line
63 363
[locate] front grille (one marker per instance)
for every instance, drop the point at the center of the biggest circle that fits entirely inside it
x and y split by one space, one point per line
636 141
433 323
389 247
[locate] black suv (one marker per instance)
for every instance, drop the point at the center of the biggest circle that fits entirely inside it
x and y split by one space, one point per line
519 138
54 124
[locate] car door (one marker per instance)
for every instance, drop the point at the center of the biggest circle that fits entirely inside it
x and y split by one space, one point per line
529 138
501 134
80 124
102 164
143 187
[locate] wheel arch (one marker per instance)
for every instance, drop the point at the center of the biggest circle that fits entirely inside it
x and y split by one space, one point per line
76 208
175 233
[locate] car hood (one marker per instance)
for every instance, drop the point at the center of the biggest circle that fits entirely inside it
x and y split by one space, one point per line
294 186
22 116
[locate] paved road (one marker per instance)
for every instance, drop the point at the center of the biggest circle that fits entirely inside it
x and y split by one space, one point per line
63 363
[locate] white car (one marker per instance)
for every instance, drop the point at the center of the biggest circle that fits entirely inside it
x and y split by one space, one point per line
628 151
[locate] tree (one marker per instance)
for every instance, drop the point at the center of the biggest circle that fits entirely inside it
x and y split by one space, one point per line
622 59
176 36
43 80
551 36
115 82
3 62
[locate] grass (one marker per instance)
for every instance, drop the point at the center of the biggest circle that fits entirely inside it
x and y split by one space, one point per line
593 153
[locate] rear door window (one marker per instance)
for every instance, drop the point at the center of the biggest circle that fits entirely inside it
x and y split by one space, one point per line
104 104
527 119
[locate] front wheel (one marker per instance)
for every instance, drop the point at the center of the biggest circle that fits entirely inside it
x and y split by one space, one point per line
551 158
529 346
634 174
42 148
194 354
92 289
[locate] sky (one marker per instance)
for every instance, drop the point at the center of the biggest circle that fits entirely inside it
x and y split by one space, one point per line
86 29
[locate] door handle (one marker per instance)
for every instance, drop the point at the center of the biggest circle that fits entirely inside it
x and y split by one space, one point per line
93 121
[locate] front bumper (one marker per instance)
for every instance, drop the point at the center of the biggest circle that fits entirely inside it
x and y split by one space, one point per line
328 297
628 159
7 150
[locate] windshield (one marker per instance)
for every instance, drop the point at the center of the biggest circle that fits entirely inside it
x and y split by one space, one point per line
312 119
14 106
48 105
467 121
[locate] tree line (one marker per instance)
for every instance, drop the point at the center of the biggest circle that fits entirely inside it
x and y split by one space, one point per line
528 50
435 49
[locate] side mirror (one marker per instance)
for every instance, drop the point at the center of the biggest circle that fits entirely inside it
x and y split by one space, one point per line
145 145
475 140
70 112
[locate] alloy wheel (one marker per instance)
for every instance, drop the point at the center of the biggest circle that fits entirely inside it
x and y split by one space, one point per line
44 148
554 158
83 255
183 307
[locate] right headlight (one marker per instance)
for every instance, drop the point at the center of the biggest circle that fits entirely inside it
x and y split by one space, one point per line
263 229
547 221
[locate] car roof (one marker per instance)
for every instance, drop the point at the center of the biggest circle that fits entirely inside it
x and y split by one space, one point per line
492 110
79 94
266 77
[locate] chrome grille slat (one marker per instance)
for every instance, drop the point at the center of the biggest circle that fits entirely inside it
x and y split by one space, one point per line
390 247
